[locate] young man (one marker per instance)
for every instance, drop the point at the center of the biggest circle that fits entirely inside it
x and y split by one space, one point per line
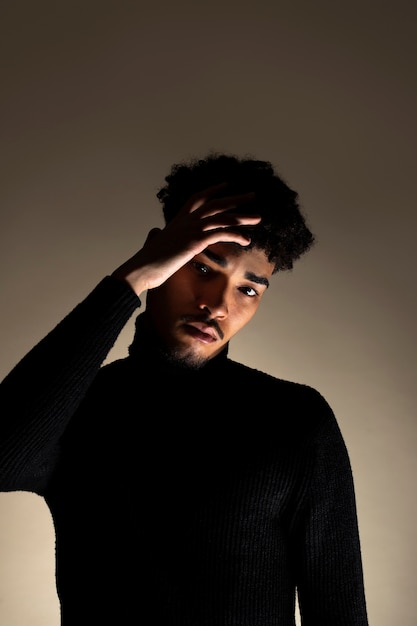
187 489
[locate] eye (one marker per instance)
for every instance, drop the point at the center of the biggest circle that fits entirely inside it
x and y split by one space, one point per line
200 267
249 291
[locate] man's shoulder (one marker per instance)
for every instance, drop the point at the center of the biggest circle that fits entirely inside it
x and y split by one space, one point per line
287 391
296 410
264 378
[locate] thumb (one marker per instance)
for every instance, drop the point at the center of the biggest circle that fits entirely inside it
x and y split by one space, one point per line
152 233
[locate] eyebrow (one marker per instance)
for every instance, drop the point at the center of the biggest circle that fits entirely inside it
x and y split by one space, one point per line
222 262
261 280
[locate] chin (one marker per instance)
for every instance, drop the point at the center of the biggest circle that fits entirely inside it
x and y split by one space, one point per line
185 358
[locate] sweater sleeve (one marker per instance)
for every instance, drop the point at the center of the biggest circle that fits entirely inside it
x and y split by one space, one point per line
41 393
330 576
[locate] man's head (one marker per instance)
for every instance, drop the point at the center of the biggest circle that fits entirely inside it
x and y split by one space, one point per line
196 311
282 233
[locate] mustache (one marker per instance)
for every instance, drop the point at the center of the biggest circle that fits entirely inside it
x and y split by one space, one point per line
203 319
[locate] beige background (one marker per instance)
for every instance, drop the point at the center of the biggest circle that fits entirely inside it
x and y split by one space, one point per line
99 98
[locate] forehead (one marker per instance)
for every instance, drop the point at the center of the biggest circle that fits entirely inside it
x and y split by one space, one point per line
236 257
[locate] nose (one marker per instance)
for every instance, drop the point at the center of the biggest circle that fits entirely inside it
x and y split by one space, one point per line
214 300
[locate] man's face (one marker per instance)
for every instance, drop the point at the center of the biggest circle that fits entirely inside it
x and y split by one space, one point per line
200 307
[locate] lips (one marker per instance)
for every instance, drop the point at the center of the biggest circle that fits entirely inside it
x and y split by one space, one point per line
202 331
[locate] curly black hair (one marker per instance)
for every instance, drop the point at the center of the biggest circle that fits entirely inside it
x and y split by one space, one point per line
282 233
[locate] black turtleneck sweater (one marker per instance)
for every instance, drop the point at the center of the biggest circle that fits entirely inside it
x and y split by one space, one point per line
180 497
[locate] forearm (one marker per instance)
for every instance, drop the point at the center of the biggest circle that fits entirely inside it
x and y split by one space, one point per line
40 395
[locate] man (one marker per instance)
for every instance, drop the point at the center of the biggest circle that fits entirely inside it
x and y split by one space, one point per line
187 489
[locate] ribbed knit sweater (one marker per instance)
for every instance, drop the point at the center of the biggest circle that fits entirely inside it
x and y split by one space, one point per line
209 497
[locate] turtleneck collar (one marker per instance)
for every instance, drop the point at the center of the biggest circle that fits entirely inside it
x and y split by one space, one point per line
144 347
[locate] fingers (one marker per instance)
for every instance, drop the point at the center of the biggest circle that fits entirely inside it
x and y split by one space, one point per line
215 199
202 197
224 235
226 203
219 221
210 216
